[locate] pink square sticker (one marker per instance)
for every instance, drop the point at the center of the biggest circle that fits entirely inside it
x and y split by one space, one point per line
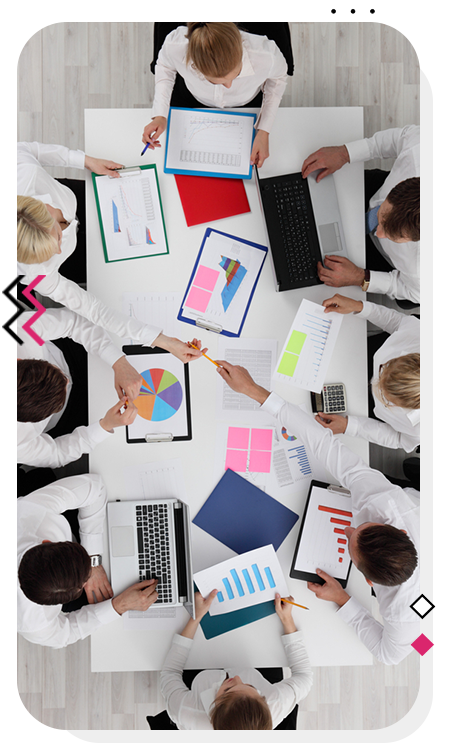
236 460
198 299
238 438
259 461
206 278
262 438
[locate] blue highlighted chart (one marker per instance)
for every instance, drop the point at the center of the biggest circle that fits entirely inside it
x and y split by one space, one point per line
116 222
160 395
248 580
234 273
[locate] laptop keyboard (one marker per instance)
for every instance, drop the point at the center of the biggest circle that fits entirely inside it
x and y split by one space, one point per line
294 221
154 549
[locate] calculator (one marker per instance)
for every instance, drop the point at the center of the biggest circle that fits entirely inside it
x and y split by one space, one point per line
332 399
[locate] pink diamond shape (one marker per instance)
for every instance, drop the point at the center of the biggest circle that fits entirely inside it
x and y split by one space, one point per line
422 644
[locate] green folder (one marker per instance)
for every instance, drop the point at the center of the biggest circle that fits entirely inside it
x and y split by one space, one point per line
115 219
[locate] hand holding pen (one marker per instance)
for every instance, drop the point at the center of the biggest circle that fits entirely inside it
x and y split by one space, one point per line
152 132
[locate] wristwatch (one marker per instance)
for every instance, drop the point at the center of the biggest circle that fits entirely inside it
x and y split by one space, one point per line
366 282
96 560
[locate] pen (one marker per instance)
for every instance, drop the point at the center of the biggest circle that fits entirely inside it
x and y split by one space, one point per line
293 603
205 355
145 149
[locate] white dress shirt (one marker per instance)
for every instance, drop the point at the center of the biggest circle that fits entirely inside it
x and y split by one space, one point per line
400 427
403 145
39 518
34 445
189 709
263 67
373 499
34 181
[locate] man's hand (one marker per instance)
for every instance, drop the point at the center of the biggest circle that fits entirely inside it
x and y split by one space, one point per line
331 590
326 160
239 380
153 131
127 380
284 612
260 148
114 418
184 352
102 167
334 423
343 305
139 596
339 271
98 585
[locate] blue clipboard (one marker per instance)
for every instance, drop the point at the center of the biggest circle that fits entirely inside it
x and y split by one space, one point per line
201 322
220 173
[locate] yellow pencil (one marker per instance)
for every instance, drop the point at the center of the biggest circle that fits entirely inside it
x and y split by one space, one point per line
205 355
293 604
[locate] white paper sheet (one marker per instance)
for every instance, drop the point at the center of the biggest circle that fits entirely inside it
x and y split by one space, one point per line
159 309
308 347
245 580
206 141
156 480
131 215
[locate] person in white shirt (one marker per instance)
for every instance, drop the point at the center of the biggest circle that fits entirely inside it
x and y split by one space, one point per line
45 383
54 570
222 67
47 235
387 515
232 699
397 198
395 381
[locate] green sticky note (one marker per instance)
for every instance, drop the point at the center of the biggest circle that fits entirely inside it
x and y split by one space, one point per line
295 342
288 364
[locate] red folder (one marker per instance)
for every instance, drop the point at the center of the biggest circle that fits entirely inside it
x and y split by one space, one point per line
205 198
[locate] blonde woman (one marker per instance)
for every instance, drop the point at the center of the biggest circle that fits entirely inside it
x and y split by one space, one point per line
232 699
222 67
47 228
395 380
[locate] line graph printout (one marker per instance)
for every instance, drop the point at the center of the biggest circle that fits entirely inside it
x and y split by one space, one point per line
245 580
130 213
222 284
323 542
308 347
209 142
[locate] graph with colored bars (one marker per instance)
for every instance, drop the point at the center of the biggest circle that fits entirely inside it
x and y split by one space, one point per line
133 204
315 337
234 274
246 581
340 517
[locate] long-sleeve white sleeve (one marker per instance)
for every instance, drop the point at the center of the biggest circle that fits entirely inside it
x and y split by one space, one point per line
290 691
383 144
49 154
41 450
383 434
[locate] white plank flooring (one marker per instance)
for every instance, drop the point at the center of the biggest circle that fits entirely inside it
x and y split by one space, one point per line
67 67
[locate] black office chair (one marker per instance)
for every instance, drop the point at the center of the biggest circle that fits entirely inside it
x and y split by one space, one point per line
405 304
279 32
162 720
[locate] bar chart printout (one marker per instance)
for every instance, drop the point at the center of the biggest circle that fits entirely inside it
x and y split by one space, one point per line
309 346
323 542
245 580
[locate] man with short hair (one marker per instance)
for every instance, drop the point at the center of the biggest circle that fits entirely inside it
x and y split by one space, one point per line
392 217
53 570
384 544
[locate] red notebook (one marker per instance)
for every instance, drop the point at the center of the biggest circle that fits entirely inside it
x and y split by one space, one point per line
205 198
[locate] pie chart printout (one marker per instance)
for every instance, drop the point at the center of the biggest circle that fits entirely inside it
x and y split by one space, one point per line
160 395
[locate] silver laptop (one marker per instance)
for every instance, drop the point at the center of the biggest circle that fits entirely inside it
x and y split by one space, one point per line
149 539
303 224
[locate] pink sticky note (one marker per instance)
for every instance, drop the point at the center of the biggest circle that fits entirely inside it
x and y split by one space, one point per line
198 299
238 438
206 278
236 460
259 461
262 438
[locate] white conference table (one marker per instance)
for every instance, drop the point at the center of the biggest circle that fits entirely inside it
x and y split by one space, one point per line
116 134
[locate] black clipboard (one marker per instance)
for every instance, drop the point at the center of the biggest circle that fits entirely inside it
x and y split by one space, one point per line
343 495
161 437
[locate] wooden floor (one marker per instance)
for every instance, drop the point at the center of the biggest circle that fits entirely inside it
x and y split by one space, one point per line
71 66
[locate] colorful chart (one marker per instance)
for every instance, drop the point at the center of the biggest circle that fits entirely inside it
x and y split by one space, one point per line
287 436
160 395
234 273
116 222
148 238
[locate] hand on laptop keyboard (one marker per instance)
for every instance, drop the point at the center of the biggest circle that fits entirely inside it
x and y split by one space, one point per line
139 596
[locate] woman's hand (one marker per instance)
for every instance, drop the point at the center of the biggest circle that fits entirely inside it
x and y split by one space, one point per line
260 148
153 131
102 167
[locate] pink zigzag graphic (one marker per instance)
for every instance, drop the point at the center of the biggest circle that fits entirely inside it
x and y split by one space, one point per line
28 325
